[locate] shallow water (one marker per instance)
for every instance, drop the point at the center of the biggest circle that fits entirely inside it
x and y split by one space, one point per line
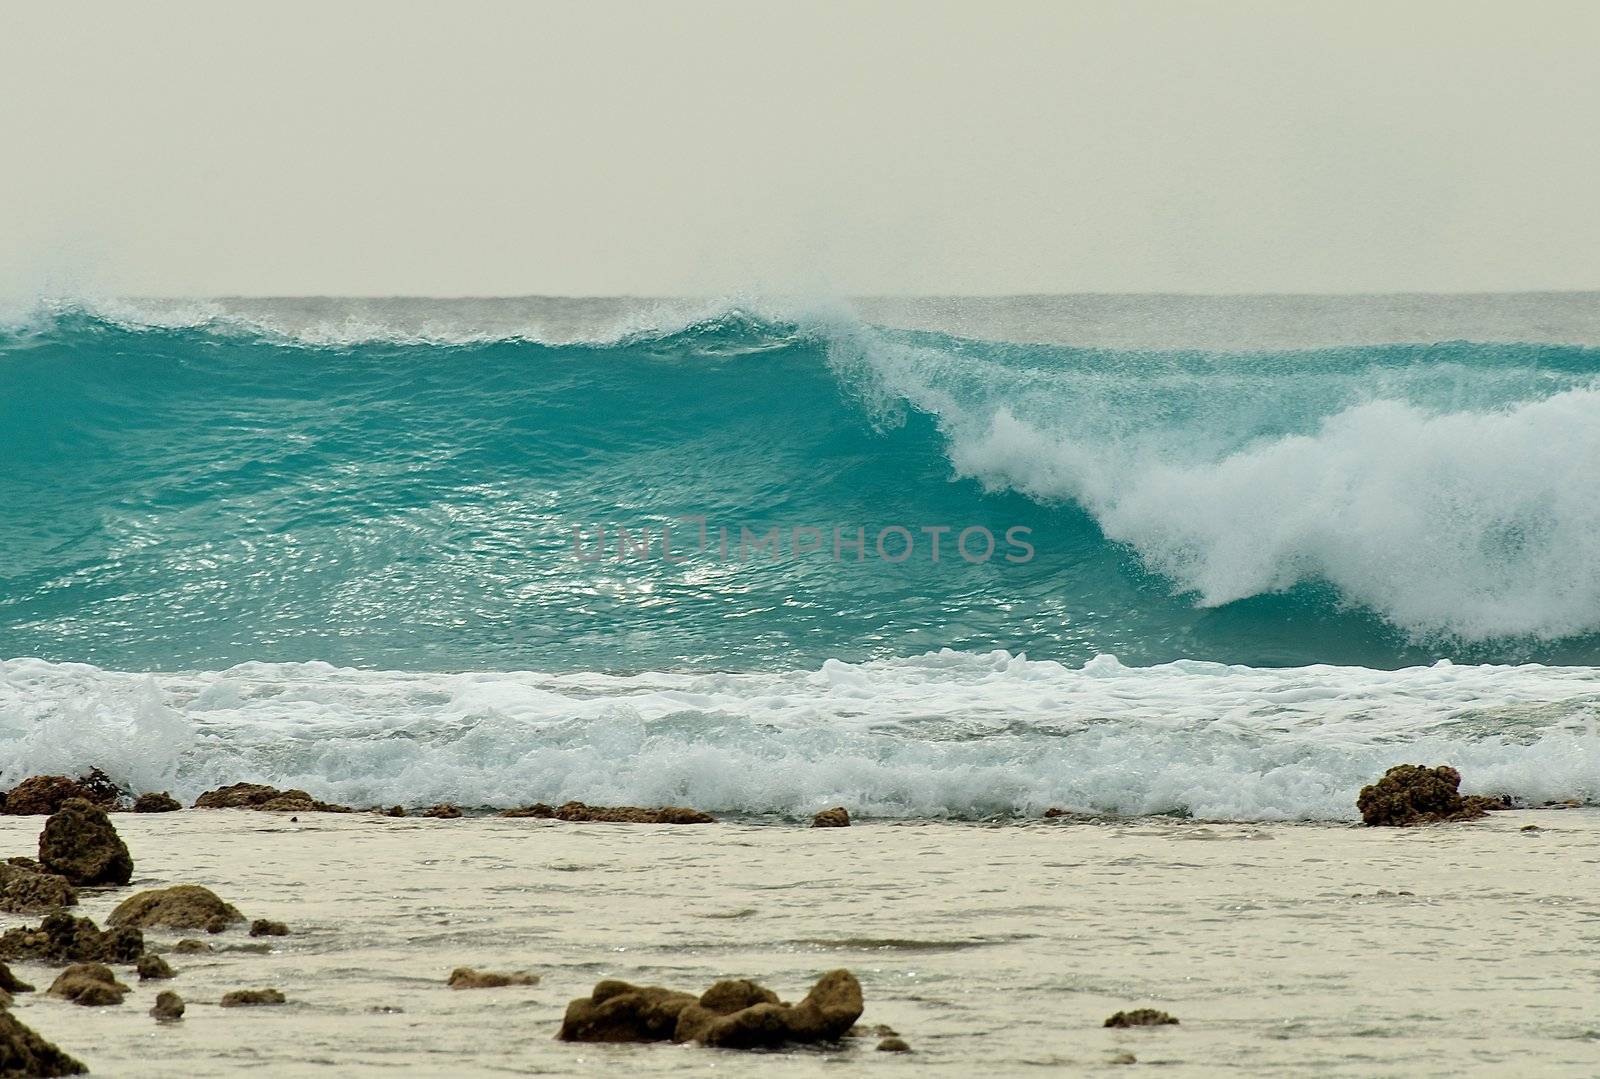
1284 949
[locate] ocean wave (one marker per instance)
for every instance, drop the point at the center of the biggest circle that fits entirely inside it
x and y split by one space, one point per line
391 498
941 735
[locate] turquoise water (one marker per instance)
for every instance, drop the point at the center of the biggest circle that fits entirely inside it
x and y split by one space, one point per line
195 497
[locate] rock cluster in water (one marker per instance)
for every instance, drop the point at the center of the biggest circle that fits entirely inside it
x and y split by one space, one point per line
736 1014
1414 794
61 938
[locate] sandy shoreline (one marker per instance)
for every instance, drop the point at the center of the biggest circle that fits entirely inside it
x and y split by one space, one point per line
1283 948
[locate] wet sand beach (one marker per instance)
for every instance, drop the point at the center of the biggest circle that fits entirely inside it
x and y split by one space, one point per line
1284 949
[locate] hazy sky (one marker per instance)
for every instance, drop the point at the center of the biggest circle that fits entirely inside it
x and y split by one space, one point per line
656 148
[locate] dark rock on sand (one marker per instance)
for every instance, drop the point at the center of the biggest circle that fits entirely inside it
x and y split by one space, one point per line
1413 794
89 984
827 1012
24 1053
10 983
263 927
168 1006
240 998
153 968
154 802
1142 1017
443 811
837 817
182 906
43 795
894 1045
620 1012
265 798
79 843
189 946
577 811
28 891
1054 812
537 809
236 796
392 811
61 938
467 978
298 801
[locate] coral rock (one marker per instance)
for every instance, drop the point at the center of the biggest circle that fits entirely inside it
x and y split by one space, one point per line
537 809
619 1012
79 843
577 811
153 968
27 891
262 797
61 938
10 983
43 795
734 1014
262 927
168 1006
443 811
894 1045
723 998
1141 1017
1412 794
23 1052
89 984
236 796
240 998
825 1015
467 978
152 802
837 817
183 906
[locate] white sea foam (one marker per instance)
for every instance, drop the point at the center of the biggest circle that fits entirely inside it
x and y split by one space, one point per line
319 322
1459 523
944 734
